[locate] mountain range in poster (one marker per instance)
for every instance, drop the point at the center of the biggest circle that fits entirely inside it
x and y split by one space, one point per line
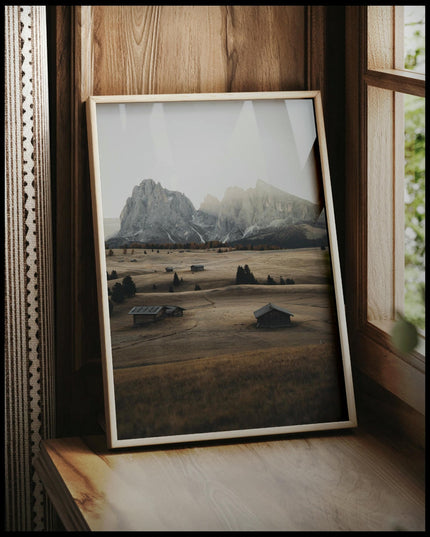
260 215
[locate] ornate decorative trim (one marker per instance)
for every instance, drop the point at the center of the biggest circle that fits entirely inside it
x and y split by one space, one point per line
29 330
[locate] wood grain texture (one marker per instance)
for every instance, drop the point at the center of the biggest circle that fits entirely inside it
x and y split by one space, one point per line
349 482
332 68
86 328
355 174
193 49
381 38
316 50
379 362
59 51
380 203
59 494
381 410
402 81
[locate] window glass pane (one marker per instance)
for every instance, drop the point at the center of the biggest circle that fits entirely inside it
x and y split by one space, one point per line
414 108
414 38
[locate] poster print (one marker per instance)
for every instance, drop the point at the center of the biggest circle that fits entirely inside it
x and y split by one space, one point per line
221 306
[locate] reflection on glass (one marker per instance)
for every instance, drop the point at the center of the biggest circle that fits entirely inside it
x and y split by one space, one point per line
414 38
415 210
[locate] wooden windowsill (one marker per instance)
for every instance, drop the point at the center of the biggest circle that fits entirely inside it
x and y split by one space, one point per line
415 358
404 376
347 481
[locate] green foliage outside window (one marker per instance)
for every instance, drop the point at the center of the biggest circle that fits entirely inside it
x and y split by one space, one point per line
415 46
404 334
415 210
415 173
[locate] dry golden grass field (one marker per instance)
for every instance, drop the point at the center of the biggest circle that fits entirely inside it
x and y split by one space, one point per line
212 369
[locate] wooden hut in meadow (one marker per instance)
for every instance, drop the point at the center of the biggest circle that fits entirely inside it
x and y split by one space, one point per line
197 268
146 314
272 316
173 311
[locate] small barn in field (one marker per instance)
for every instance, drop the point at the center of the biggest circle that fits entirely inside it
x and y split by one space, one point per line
271 316
197 268
173 311
146 314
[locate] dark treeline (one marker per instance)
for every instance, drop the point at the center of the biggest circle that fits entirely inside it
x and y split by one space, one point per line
170 246
193 246
244 275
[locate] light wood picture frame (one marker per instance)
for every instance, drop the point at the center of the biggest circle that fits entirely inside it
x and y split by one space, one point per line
220 296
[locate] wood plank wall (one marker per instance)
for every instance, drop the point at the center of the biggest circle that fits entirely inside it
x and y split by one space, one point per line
105 50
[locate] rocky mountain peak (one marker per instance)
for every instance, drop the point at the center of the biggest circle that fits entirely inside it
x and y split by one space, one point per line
155 214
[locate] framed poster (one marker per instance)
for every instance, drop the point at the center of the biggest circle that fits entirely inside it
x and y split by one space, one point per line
221 305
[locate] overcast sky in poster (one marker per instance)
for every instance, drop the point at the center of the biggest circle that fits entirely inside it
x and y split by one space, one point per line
201 148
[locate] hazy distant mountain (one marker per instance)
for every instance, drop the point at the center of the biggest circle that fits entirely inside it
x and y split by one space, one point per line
263 214
211 205
111 227
246 213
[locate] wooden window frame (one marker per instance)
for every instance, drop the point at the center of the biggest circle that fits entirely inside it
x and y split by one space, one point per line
374 254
